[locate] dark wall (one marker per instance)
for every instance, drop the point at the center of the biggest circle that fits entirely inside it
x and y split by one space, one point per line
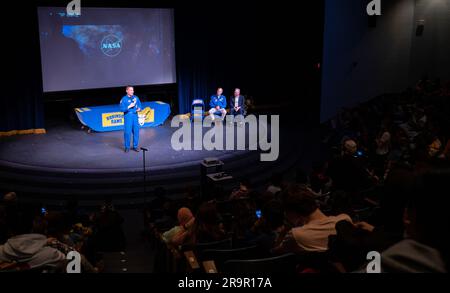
430 50
362 61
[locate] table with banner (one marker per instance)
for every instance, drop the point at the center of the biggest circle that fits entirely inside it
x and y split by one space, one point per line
110 118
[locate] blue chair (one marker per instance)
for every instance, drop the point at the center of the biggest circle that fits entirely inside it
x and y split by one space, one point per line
197 109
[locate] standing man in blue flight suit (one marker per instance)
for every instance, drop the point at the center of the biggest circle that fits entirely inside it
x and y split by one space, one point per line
130 105
218 103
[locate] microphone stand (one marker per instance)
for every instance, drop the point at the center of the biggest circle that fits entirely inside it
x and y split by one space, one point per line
143 156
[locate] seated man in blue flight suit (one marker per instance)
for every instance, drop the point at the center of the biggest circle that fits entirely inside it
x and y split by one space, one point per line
130 105
237 103
218 103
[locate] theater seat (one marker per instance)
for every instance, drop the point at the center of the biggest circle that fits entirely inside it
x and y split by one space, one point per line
285 263
199 247
220 256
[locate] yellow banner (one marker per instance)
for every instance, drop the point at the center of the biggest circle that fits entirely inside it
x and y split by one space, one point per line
112 119
116 118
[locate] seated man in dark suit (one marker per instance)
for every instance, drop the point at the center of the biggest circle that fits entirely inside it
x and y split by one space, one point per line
237 103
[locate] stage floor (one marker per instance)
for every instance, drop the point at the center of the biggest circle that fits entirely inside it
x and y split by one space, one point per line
70 161
65 148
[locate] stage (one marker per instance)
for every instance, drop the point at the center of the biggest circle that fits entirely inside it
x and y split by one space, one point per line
69 161
66 149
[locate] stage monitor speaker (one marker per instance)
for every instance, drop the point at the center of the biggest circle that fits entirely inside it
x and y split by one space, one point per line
211 161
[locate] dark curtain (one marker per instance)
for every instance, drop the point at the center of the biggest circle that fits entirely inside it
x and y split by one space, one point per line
21 94
211 52
265 51
191 58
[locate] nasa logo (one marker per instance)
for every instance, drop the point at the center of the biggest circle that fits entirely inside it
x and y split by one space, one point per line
111 45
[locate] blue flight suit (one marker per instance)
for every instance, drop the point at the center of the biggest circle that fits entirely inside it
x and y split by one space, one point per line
131 122
220 101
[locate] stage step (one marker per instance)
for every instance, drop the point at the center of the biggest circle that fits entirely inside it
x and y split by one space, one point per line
127 184
94 186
